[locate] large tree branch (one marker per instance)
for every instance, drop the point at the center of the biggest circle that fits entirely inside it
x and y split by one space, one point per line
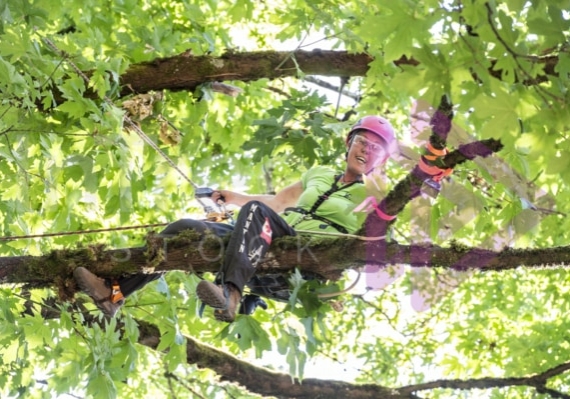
187 72
322 256
269 383
260 380
325 257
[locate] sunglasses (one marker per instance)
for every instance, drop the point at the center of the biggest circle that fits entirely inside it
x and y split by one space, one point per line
369 145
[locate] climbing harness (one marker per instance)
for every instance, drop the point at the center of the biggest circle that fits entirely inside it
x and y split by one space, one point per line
311 213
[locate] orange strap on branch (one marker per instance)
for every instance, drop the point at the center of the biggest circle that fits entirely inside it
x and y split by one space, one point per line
435 151
383 215
435 172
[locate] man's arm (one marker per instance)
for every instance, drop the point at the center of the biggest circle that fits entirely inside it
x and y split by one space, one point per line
278 202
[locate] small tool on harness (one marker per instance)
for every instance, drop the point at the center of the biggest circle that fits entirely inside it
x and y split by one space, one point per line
212 214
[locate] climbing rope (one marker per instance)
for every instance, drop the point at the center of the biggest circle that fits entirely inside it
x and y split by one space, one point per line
127 119
345 235
79 232
149 141
70 233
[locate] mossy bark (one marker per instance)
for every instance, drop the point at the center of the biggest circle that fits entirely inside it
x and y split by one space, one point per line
321 256
186 72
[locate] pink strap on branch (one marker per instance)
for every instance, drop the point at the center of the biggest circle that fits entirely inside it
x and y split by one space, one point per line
370 203
383 215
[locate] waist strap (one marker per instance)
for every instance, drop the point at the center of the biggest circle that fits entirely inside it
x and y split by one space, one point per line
314 216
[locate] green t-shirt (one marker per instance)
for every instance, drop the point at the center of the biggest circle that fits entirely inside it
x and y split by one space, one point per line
338 208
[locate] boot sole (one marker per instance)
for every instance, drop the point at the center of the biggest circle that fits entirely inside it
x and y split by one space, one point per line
81 277
223 315
210 295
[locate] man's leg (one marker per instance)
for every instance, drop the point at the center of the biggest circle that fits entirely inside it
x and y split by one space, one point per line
257 225
107 297
109 294
132 283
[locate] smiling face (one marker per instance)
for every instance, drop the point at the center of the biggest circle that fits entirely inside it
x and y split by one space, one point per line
366 151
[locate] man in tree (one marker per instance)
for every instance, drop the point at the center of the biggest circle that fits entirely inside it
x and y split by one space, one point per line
324 200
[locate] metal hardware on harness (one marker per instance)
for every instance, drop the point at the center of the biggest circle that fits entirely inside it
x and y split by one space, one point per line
211 214
431 187
219 216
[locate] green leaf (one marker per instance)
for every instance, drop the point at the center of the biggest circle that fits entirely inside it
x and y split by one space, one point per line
112 206
247 332
563 65
500 112
102 386
72 108
99 81
296 281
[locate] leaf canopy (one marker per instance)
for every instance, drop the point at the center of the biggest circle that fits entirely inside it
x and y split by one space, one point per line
68 164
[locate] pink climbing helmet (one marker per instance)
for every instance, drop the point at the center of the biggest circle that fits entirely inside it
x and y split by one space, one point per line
379 126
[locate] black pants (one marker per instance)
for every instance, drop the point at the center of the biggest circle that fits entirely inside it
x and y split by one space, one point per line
256 226
133 282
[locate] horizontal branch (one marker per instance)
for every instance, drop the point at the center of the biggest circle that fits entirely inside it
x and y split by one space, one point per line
322 256
260 380
266 382
187 72
537 381
326 85
269 383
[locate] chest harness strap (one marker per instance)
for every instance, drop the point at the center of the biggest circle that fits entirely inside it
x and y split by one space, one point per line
311 213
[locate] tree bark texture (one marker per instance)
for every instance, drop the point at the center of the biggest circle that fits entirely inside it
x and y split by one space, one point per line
322 256
269 383
187 72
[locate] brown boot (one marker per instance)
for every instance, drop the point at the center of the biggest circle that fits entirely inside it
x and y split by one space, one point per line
224 299
106 298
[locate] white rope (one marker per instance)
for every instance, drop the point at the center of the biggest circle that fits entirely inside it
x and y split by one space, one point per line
330 233
350 287
127 119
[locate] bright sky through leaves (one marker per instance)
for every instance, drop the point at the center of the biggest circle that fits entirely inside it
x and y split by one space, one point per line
68 164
